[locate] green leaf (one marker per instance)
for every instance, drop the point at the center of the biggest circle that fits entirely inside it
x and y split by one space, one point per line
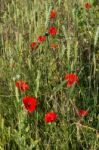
59 87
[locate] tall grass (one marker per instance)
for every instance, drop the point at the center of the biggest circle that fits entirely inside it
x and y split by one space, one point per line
44 70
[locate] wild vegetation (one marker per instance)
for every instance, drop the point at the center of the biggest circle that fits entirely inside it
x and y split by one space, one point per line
49 75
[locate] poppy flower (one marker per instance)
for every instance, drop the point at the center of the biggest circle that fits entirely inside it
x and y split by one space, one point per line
87 5
83 113
53 14
54 46
52 31
41 38
71 79
22 85
50 117
34 45
30 103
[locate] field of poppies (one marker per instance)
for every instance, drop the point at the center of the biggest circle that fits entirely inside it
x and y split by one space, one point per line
49 75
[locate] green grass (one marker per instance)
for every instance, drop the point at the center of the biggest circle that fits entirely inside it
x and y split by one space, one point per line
44 70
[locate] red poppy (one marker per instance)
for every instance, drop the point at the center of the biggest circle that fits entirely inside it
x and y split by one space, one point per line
71 79
87 5
29 103
42 38
83 113
53 14
22 85
54 46
50 117
52 31
34 45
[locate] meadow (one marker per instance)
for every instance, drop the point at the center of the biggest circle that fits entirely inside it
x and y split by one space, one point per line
49 75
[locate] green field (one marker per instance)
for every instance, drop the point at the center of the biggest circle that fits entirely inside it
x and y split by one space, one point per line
73 49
